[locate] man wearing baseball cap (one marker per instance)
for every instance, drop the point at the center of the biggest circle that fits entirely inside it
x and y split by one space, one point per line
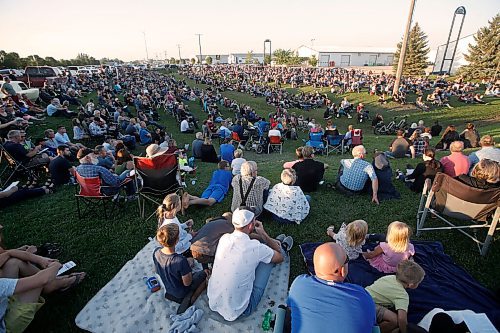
243 265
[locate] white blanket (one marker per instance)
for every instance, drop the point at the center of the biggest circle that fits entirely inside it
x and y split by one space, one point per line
125 304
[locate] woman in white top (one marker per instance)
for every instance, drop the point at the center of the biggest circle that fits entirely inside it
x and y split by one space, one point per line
286 202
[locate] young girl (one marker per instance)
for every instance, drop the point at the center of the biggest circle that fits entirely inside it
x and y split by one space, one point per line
387 255
78 132
181 284
167 212
350 237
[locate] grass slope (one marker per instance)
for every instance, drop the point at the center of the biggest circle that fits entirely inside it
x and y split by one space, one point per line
101 247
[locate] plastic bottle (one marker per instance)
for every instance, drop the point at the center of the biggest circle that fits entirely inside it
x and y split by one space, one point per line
279 322
266 322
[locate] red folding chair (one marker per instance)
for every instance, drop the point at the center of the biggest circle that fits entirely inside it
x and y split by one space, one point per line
275 143
356 137
89 195
159 176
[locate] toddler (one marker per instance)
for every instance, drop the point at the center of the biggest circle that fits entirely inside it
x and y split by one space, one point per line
387 255
350 237
167 213
390 292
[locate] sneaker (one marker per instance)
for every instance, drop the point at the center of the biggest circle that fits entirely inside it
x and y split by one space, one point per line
287 243
280 237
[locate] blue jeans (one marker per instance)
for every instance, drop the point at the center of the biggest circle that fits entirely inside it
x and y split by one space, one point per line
262 273
130 186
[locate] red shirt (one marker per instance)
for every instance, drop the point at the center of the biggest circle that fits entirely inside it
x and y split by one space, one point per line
455 164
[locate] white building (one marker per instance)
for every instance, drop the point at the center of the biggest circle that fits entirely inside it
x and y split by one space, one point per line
240 58
216 58
335 56
458 60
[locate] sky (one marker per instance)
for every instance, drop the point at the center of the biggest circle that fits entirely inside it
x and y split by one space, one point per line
118 29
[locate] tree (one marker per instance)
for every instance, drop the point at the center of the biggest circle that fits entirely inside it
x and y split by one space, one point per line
484 56
11 60
313 61
267 59
416 53
193 61
208 60
50 61
249 57
172 60
282 57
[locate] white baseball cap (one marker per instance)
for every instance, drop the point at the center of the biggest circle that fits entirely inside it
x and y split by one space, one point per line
242 217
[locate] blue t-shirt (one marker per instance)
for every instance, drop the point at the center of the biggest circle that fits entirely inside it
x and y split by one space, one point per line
318 305
221 178
143 134
171 268
226 152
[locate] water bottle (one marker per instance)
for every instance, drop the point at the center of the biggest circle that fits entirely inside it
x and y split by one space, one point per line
266 323
279 322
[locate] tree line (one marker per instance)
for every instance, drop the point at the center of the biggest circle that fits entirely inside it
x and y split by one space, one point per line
13 60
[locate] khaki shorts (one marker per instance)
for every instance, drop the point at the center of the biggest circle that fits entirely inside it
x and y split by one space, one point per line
19 315
380 311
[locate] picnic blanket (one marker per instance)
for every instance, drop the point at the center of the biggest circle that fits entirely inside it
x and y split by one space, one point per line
125 304
446 285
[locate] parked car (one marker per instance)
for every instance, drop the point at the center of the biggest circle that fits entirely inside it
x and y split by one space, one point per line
11 72
85 72
35 76
74 69
21 88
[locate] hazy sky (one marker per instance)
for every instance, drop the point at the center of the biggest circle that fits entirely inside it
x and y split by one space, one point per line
112 28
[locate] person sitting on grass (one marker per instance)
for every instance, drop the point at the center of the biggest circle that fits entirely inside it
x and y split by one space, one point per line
456 163
227 150
286 202
389 292
300 158
182 285
426 169
216 190
208 153
399 146
237 162
196 145
351 237
354 174
22 283
144 134
167 214
249 189
309 172
488 150
60 168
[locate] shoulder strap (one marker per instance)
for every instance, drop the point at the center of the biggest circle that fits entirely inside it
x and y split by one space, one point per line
244 197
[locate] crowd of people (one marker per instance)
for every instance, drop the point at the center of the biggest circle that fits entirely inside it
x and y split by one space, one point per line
236 253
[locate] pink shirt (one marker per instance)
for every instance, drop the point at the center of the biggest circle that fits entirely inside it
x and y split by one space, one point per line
455 164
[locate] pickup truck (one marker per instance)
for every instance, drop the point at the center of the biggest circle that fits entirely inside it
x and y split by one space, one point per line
21 88
35 76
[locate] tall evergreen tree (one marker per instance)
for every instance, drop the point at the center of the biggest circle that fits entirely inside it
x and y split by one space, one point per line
484 56
416 53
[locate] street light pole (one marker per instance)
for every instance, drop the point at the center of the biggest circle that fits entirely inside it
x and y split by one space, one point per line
179 48
402 52
146 46
199 44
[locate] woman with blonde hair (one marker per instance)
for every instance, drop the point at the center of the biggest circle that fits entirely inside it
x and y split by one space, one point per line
387 255
485 175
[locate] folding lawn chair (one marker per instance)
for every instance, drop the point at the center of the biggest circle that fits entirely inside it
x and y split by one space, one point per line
356 137
89 196
449 197
159 175
316 142
275 143
334 144
14 167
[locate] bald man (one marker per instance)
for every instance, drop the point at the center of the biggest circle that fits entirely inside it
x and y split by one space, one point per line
324 303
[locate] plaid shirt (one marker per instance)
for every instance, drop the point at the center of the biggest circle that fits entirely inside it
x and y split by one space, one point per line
355 173
255 197
107 177
419 144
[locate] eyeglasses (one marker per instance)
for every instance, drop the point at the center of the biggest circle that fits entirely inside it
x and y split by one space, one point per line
345 263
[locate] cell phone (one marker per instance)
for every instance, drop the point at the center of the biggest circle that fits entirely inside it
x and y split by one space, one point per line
66 267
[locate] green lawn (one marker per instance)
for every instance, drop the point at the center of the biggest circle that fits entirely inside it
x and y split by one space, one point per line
101 247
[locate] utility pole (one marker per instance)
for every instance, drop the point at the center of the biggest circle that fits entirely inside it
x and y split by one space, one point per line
146 46
199 44
179 48
312 42
402 53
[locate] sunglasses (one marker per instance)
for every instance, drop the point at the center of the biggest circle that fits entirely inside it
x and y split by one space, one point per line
345 263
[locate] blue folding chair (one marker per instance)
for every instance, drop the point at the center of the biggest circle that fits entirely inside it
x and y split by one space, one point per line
316 142
334 144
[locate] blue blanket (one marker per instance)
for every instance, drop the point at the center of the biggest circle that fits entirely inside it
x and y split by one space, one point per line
446 285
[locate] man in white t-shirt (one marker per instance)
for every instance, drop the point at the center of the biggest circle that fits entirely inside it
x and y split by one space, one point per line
243 265
274 132
185 127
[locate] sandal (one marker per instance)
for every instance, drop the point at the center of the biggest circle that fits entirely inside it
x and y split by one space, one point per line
78 279
330 228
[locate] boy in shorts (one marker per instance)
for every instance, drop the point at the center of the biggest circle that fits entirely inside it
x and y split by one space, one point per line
389 293
216 190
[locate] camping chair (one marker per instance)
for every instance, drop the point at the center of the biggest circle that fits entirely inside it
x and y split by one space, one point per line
89 197
452 198
316 142
236 140
160 176
275 143
334 144
356 137
14 167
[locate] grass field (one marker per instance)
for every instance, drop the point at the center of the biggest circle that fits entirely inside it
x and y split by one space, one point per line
101 246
